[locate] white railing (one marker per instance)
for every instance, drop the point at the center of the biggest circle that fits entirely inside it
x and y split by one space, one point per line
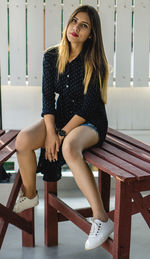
28 27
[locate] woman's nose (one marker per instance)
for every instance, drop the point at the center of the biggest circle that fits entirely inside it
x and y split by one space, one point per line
76 27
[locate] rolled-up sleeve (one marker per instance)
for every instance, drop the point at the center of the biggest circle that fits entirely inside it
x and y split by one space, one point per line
48 88
90 101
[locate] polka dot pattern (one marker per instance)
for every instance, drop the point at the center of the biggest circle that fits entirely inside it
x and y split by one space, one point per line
69 88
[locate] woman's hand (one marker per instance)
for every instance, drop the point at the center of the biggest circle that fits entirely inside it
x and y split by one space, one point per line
61 138
52 144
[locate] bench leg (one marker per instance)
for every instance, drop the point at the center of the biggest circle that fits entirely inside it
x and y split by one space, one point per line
28 240
143 209
51 217
104 188
10 205
122 221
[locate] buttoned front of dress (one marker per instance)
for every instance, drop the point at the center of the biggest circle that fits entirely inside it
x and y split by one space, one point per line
71 101
70 89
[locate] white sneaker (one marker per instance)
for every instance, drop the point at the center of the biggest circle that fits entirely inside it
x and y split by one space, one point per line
24 203
99 233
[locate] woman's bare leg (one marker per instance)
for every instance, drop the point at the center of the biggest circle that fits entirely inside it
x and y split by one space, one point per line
27 141
74 143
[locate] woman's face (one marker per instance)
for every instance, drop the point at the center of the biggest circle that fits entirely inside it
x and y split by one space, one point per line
79 29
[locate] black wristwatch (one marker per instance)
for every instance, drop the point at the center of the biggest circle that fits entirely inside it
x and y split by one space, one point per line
62 133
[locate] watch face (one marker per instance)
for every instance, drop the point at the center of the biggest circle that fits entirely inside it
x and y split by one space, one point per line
62 133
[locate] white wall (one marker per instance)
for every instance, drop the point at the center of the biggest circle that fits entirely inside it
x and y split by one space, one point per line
21 106
127 108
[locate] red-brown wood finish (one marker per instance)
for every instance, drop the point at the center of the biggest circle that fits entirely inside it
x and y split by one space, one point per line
10 205
28 239
51 217
122 219
128 161
104 188
25 220
122 157
85 212
70 214
2 132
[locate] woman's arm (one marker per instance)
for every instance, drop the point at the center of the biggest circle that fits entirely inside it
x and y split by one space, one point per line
49 120
73 123
48 88
52 142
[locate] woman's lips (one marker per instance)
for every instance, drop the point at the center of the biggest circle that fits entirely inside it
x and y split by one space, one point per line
74 34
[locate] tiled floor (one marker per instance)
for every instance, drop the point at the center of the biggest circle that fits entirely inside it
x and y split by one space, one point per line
71 239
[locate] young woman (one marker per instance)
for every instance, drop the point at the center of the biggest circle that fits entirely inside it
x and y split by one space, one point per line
77 70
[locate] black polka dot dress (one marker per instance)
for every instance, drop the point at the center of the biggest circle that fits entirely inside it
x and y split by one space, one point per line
69 90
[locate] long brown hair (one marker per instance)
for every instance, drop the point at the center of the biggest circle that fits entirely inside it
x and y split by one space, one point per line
94 54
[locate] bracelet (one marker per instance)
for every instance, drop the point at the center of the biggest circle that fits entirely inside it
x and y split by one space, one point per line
62 133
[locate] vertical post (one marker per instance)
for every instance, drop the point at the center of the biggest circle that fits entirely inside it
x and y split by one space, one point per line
51 217
104 188
0 102
10 205
4 177
122 221
28 240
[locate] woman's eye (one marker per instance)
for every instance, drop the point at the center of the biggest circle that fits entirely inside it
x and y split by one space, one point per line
84 26
74 20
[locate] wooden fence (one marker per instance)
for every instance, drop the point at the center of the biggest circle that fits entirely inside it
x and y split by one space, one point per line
28 27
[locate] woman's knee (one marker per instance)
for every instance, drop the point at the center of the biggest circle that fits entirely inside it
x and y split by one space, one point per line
70 149
22 141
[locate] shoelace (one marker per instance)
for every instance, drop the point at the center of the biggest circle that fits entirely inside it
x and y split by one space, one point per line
22 198
95 229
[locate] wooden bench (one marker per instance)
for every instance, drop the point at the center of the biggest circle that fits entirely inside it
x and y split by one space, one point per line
122 157
128 161
24 220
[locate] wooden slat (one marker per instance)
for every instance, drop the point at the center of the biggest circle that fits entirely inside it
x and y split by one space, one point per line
123 43
17 42
141 42
69 213
108 167
106 9
145 203
85 212
129 139
76 218
2 132
10 205
35 38
143 165
7 151
7 137
90 2
24 220
3 42
137 152
135 171
15 219
52 29
138 199
141 186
